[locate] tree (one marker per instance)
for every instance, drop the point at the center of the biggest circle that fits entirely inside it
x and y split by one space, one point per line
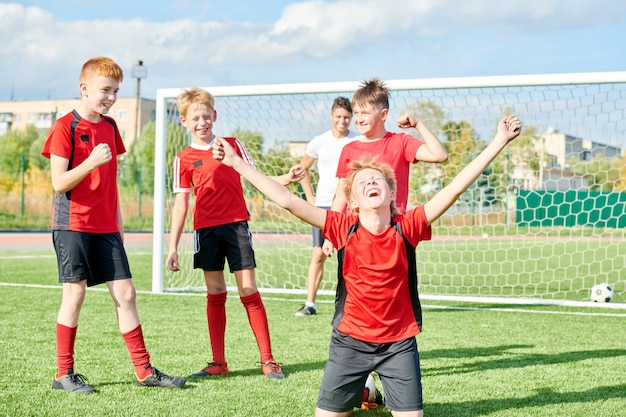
14 147
429 113
621 184
137 166
462 145
603 174
426 179
273 161
138 162
35 158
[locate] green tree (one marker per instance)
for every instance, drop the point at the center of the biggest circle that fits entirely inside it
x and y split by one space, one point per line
603 174
621 184
138 164
14 145
430 114
462 145
274 161
35 158
426 179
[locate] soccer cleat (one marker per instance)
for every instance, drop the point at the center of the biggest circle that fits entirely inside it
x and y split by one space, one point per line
306 311
378 400
271 369
212 369
73 382
159 379
372 397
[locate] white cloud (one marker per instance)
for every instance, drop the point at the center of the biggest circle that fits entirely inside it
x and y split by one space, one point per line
40 50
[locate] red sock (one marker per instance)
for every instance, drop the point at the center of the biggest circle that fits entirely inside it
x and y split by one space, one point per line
258 321
216 318
138 352
65 349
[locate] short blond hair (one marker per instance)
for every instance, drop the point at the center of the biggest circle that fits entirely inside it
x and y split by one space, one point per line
370 162
103 66
372 92
194 95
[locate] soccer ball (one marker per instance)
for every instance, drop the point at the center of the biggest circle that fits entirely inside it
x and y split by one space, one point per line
602 293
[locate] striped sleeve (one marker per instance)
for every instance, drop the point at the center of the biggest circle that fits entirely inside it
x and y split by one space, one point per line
177 182
244 153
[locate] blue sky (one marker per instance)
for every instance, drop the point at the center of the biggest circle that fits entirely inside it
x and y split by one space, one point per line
213 43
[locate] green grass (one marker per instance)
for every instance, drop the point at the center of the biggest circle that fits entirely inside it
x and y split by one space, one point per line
477 360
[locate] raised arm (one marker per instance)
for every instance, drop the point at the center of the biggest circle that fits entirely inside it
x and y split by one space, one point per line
295 174
222 151
432 150
508 129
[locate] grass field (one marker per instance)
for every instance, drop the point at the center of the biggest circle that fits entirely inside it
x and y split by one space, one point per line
477 360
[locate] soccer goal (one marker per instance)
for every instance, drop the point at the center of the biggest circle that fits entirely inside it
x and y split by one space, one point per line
545 222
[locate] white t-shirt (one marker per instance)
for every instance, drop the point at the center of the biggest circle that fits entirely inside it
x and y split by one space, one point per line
326 149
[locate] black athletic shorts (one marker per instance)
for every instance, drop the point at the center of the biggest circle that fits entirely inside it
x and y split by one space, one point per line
94 257
318 239
351 360
232 241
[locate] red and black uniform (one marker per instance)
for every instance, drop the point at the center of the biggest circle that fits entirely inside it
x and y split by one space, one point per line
85 230
217 188
377 299
91 206
377 312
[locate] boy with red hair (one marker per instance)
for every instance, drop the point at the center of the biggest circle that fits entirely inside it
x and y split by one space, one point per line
87 224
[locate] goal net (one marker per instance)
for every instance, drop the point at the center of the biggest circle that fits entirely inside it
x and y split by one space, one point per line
545 222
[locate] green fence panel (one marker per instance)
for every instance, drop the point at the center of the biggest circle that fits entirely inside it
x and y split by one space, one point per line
571 208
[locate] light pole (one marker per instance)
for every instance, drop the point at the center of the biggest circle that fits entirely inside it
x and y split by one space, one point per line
139 71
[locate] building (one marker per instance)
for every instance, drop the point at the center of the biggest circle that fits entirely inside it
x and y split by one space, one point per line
297 148
557 148
17 115
561 147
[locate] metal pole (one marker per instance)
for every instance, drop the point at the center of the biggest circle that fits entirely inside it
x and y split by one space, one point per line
137 107
139 187
23 183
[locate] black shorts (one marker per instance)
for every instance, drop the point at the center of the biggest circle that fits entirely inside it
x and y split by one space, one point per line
94 257
351 360
318 239
213 245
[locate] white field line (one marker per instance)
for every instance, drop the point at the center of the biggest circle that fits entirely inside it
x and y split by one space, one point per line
425 306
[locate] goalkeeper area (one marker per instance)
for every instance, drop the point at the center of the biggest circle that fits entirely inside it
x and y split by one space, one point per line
544 223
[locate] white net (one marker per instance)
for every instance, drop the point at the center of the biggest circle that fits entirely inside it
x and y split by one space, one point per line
546 221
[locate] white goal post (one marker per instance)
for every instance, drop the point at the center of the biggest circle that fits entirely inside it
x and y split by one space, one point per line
546 222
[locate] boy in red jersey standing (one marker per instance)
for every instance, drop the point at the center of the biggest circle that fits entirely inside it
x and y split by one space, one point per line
87 224
377 310
370 104
220 229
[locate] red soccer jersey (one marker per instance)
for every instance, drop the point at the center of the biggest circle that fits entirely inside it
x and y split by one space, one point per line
395 149
217 188
376 299
91 206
